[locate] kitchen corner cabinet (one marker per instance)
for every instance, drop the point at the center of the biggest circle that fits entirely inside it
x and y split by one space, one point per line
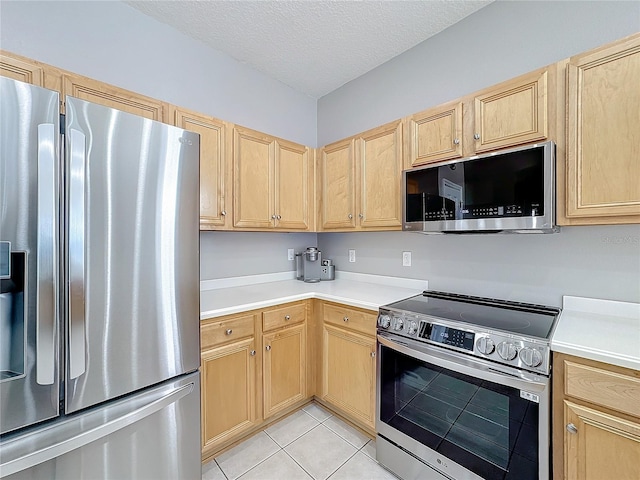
272 182
228 370
603 135
596 422
361 181
348 352
284 357
215 166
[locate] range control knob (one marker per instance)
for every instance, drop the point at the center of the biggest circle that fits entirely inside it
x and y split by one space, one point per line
530 357
507 350
398 324
384 321
413 327
485 345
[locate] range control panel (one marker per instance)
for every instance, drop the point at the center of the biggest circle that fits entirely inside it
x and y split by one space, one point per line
446 335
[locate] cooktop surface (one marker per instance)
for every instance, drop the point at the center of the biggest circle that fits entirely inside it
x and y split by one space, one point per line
519 318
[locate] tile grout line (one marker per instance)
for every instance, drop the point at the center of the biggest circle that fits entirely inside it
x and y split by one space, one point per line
221 471
294 461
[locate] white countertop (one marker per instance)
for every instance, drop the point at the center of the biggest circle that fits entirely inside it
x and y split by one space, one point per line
239 294
601 330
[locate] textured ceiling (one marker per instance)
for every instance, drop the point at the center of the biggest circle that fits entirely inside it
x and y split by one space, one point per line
312 46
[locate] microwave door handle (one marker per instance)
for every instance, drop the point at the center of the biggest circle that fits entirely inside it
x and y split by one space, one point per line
76 299
46 258
467 366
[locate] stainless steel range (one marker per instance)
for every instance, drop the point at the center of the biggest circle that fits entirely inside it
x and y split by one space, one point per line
463 388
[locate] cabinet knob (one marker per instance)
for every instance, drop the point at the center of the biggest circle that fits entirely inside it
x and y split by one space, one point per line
252 353
278 217
345 319
223 213
287 317
349 216
267 348
228 331
476 136
273 217
571 428
456 141
361 215
373 354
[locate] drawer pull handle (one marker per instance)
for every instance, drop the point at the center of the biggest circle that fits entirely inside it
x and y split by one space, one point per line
287 317
252 353
229 331
571 428
267 348
345 319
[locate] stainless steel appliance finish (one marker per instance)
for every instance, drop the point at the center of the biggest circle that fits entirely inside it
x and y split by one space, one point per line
510 191
102 304
448 399
309 268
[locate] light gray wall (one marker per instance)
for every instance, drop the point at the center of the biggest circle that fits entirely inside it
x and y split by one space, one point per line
498 42
234 254
112 42
598 262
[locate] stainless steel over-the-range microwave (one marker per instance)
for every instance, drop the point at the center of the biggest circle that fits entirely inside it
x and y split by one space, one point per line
510 191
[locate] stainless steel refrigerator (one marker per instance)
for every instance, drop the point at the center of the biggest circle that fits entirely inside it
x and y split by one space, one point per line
99 299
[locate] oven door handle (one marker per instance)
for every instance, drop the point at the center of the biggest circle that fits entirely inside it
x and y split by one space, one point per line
466 366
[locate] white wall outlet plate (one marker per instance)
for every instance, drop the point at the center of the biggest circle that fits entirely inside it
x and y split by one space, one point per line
406 259
290 254
352 256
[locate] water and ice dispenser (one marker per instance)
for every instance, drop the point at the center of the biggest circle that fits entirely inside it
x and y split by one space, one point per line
12 311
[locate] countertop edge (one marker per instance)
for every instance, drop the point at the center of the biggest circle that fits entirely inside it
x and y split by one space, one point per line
597 355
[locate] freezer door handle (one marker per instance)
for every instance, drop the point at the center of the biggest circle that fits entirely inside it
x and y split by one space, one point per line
76 298
47 309
73 442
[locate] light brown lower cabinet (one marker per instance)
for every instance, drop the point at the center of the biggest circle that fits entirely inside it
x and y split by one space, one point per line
596 420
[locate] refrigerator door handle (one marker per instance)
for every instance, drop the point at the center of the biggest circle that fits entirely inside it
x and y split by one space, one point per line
77 159
47 311
74 442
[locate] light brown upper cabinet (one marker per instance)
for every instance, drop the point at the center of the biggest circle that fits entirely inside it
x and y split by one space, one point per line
114 97
272 182
215 166
435 134
361 181
603 135
511 113
21 69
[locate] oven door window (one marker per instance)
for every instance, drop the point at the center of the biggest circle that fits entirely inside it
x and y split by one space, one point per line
485 427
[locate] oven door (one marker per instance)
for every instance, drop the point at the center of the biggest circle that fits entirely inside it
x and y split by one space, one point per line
465 417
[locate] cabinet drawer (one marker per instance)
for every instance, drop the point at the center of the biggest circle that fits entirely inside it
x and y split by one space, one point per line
283 316
350 319
216 333
609 389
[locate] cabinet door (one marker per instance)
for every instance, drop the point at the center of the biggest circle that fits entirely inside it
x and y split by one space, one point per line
348 373
22 70
603 133
213 165
380 177
292 190
284 368
337 164
228 392
601 445
103 94
253 171
512 113
435 135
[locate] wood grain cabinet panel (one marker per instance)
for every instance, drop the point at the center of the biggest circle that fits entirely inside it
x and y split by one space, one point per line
103 94
603 134
512 113
215 204
338 185
435 134
293 186
22 70
284 368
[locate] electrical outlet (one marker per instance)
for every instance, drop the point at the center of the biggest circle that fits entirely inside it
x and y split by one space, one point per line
406 259
352 256
290 254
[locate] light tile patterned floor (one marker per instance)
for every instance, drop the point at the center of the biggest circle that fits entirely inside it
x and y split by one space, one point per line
309 444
